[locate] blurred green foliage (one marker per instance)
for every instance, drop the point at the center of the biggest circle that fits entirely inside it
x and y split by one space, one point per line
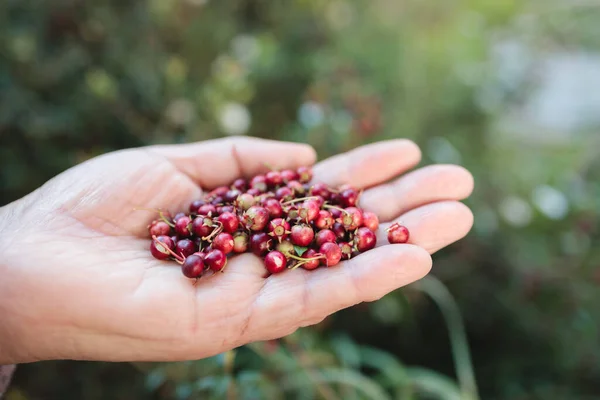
506 88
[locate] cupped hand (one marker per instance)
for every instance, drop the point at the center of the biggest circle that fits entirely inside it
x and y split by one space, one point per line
78 282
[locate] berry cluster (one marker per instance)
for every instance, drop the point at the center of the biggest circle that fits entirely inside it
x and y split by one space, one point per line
278 216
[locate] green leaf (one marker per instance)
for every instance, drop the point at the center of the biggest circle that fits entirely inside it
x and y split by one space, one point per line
300 250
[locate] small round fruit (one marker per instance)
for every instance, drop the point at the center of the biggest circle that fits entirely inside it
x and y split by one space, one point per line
398 233
203 226
240 184
324 220
302 235
275 262
365 239
274 208
370 220
313 262
158 247
279 229
159 228
288 175
320 189
284 193
286 247
352 218
224 242
216 260
347 250
259 182
274 178
296 187
339 230
193 266
260 243
182 226
230 222
332 253
195 205
256 218
241 242
348 197
309 210
324 236
305 174
185 248
207 209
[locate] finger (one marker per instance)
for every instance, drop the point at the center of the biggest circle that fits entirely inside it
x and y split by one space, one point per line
300 298
423 186
433 226
218 162
368 165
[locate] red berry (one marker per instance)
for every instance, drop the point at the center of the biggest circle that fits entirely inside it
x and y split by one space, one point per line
308 211
274 208
195 205
348 197
230 222
304 174
324 220
284 193
185 247
231 195
217 201
224 242
332 253
324 236
365 239
339 230
370 220
182 226
292 213
347 250
275 262
398 233
279 229
253 192
203 226
216 260
260 243
240 184
335 213
302 235
178 215
159 228
352 218
256 218
207 209
311 264
296 187
273 178
245 201
158 247
193 266
320 189
225 209
288 175
219 192
240 242
259 182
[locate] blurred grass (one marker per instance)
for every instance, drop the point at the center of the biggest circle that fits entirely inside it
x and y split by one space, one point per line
507 89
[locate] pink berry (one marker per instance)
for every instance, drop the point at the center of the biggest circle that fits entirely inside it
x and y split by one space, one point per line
259 182
284 193
296 187
335 213
332 253
158 247
182 226
397 233
274 208
240 242
286 247
260 243
185 248
279 229
230 222
288 175
370 220
193 266
240 184
273 178
324 220
231 195
308 211
365 239
313 262
159 228
348 197
219 192
195 205
245 201
216 260
302 235
203 226
304 174
253 192
256 218
275 262
320 189
347 250
352 218
207 209
324 236
224 242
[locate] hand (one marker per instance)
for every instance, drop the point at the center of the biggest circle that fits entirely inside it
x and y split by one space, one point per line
77 280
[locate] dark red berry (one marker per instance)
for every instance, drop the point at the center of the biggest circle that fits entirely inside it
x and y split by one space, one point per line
195 205
231 195
229 221
259 182
335 213
284 193
216 260
352 218
193 266
397 233
158 247
203 226
275 262
240 242
320 189
185 247
365 239
339 230
347 250
240 184
245 201
324 220
217 201
224 242
308 211
260 243
302 235
332 253
254 192
370 220
274 208
348 197
273 178
279 229
296 187
256 218
304 174
159 228
182 226
178 216
324 236
225 209
288 175
207 209
313 262
219 192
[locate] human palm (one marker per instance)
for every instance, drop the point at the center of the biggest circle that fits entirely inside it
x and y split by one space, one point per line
79 283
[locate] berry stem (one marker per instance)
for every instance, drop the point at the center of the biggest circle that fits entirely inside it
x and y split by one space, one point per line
304 259
215 232
179 258
298 200
335 208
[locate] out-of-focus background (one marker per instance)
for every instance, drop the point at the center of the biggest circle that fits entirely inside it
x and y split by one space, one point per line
509 89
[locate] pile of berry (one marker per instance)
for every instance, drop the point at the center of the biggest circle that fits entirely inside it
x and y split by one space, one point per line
279 217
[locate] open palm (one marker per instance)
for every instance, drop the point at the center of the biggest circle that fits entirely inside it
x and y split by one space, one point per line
81 284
